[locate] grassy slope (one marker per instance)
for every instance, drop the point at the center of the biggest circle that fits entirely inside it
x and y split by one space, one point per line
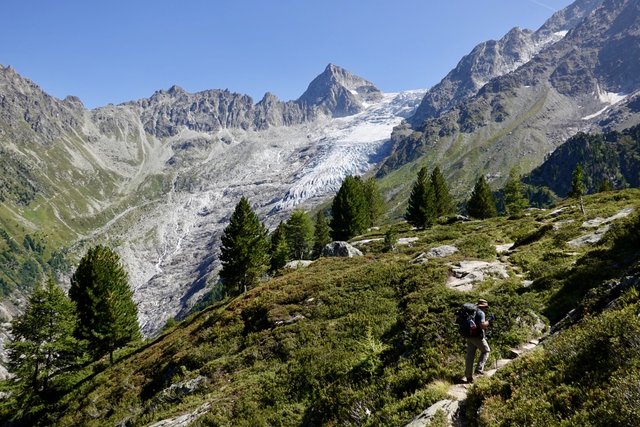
364 341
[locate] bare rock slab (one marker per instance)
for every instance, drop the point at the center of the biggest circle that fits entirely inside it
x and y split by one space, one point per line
467 273
450 408
340 249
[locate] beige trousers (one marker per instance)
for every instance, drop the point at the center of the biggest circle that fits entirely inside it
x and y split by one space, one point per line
474 343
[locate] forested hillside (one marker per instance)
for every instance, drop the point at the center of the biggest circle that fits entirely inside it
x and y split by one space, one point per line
610 160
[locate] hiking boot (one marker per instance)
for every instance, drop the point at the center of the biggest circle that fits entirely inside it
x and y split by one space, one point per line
479 372
465 380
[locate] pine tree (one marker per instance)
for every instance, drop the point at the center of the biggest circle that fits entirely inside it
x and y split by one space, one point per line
374 201
578 188
299 234
514 199
321 234
482 204
421 210
243 251
390 240
42 345
605 185
443 200
349 210
106 312
279 248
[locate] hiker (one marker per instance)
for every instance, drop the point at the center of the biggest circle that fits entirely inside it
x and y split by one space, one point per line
478 340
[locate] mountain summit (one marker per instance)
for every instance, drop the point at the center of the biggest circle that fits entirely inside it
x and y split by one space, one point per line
338 92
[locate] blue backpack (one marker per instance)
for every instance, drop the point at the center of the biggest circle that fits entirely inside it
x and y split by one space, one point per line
465 319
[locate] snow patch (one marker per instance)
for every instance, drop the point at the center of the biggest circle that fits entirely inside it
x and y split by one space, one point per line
608 98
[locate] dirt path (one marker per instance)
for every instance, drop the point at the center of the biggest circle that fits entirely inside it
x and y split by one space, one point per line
454 406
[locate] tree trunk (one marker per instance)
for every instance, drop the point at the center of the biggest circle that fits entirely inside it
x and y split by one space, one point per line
582 207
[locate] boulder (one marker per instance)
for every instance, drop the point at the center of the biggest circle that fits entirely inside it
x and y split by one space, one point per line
441 251
299 263
340 249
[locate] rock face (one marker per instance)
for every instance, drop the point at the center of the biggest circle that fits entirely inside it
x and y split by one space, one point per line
340 249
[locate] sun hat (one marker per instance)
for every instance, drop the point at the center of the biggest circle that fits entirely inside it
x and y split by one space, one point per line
482 303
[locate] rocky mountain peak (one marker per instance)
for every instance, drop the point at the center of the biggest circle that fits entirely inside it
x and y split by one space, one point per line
338 92
496 58
569 17
176 90
24 102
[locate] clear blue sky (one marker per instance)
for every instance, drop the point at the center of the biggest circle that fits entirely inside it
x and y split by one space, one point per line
116 50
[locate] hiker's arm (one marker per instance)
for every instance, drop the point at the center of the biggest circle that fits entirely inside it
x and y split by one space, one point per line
484 324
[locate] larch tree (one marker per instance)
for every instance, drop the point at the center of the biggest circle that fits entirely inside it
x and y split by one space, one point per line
108 317
350 215
244 250
482 204
42 344
299 234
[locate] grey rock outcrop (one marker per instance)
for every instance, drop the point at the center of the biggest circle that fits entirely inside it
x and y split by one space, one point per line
441 251
467 273
340 249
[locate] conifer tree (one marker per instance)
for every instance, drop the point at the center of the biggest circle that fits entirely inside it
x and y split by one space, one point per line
482 204
279 247
299 234
374 201
605 185
578 188
515 200
104 302
321 234
243 251
443 201
42 343
421 210
350 214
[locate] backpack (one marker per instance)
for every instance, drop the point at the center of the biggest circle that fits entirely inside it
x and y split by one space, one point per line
465 319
